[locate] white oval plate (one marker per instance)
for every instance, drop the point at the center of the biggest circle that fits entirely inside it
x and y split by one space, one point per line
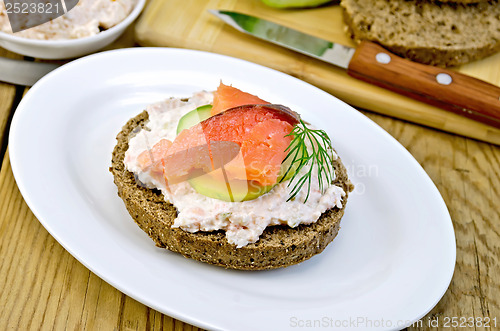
390 264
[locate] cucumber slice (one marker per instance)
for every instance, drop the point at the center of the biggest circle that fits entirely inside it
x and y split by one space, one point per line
287 168
194 117
213 185
234 190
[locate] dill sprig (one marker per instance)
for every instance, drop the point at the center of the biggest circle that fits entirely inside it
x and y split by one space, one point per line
321 156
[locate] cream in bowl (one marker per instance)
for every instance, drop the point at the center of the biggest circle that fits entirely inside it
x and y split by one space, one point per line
88 27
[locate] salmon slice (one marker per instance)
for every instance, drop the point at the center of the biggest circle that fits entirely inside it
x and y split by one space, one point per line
226 97
151 160
264 150
259 131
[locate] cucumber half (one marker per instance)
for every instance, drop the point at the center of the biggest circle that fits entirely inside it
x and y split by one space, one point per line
194 117
234 190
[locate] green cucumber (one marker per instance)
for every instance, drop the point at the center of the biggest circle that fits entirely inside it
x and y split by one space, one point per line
240 190
194 117
288 169
233 191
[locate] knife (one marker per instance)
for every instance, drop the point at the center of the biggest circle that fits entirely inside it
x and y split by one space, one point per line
22 72
447 89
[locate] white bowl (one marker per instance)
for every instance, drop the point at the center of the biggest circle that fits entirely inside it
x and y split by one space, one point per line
68 48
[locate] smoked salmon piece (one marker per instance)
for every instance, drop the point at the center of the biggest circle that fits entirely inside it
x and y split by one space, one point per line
259 132
152 159
245 136
226 97
263 150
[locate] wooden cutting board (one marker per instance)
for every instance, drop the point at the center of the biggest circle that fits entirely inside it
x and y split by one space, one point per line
187 24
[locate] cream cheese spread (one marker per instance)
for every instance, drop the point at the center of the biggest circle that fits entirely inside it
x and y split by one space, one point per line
243 222
87 18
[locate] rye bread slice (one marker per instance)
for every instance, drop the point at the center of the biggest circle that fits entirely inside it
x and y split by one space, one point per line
279 246
436 33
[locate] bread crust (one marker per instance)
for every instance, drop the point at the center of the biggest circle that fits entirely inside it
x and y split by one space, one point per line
278 246
436 33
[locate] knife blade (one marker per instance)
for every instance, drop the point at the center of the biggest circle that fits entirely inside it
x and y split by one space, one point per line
22 72
370 62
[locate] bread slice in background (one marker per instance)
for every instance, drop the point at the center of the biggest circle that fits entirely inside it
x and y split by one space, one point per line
279 246
436 33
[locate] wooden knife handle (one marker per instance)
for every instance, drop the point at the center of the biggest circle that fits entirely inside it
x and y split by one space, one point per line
443 88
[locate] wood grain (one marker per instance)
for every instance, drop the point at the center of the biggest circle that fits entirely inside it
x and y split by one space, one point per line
8 101
163 24
43 287
463 95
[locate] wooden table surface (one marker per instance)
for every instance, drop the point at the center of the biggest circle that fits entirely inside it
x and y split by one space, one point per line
43 287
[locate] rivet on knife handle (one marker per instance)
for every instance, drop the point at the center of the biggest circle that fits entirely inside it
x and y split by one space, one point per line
443 88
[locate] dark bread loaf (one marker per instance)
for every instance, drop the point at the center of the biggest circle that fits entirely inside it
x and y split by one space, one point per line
435 33
278 246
